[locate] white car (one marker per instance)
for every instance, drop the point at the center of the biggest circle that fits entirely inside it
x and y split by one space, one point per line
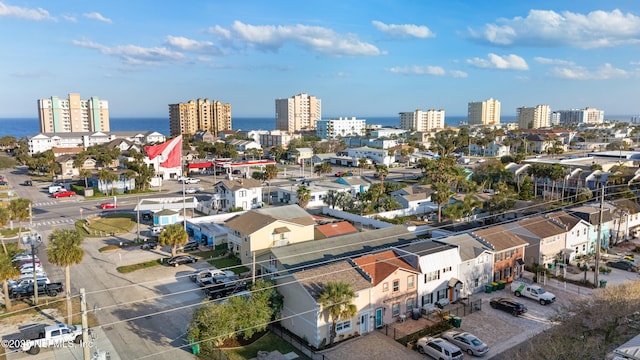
157 229
439 348
192 190
191 181
466 342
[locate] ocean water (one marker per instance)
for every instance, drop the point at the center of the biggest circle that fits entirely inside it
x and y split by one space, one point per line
24 127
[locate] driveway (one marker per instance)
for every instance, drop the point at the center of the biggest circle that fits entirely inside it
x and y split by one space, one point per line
372 346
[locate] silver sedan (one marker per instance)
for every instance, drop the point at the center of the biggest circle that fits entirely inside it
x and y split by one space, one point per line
467 342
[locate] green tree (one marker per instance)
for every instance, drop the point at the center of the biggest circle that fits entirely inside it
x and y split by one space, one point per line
336 299
173 235
322 168
7 163
7 271
363 163
441 196
382 171
5 217
85 174
270 173
64 250
20 210
526 189
304 195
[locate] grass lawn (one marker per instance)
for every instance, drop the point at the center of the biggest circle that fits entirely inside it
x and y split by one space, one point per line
58 303
8 233
105 226
209 254
269 342
129 268
229 263
109 248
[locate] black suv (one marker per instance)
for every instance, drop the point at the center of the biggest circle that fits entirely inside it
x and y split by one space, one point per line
190 246
508 305
181 259
149 245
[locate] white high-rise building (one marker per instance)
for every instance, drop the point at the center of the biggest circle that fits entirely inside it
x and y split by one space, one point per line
420 120
332 128
299 112
534 117
581 116
484 112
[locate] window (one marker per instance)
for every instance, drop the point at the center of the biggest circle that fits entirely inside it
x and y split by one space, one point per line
410 281
385 287
243 193
476 282
395 309
410 303
343 326
434 275
396 285
441 294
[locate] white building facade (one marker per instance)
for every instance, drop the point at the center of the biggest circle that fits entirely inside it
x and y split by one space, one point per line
341 127
534 117
420 120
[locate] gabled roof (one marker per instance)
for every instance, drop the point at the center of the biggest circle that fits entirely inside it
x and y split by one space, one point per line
627 204
429 247
564 218
254 220
315 279
379 266
470 247
542 227
239 184
499 238
336 229
314 253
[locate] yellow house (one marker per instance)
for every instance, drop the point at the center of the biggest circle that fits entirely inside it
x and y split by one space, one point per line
261 229
304 316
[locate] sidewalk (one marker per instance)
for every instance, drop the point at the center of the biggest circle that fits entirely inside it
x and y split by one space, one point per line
100 344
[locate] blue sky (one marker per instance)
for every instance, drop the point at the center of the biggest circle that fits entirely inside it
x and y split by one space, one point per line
362 58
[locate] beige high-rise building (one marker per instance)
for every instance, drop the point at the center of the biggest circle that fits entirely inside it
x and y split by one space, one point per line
484 112
534 117
300 112
187 118
422 120
73 115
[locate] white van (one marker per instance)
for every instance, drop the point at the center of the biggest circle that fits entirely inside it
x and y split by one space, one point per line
55 188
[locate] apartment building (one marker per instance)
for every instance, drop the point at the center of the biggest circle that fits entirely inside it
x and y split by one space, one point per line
420 120
341 127
189 117
484 112
534 117
73 114
299 112
587 115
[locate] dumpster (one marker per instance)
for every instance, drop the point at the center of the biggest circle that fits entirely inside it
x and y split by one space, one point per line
603 283
494 286
501 284
456 321
488 288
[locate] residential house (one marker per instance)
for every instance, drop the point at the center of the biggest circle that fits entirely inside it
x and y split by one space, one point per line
591 214
67 167
377 156
261 229
59 151
277 138
303 255
546 237
46 141
476 263
577 235
237 193
629 225
438 264
539 143
508 251
317 192
357 184
300 154
333 229
304 316
243 146
122 145
416 197
253 135
394 285
205 136
496 149
382 143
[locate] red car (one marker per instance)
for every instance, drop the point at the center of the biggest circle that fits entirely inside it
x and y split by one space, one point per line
108 205
64 193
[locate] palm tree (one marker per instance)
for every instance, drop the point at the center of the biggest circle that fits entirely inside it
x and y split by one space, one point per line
304 195
343 200
362 164
441 196
382 171
337 299
85 173
173 235
469 204
331 199
270 173
19 210
7 271
5 216
64 250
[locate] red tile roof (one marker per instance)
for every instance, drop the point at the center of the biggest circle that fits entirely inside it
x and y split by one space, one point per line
379 266
336 228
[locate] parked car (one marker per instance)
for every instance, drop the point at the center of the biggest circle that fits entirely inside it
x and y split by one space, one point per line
192 190
108 205
156 230
190 180
149 245
344 173
466 342
64 193
439 349
24 257
181 260
190 246
27 183
622 265
508 305
210 272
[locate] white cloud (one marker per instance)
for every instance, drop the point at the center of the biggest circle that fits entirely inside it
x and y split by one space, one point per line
24 13
547 28
132 54
97 16
548 61
314 38
426 70
70 18
493 61
186 44
405 30
604 72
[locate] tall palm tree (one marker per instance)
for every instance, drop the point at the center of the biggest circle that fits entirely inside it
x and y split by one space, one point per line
19 210
7 271
382 171
441 196
362 164
270 173
64 250
331 199
343 199
173 235
5 216
336 299
304 195
85 174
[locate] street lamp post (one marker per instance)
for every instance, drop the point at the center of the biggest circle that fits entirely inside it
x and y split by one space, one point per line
32 241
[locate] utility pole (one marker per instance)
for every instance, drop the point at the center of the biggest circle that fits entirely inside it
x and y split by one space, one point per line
597 267
86 353
138 212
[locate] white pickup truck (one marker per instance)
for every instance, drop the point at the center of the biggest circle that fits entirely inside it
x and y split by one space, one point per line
52 335
533 292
